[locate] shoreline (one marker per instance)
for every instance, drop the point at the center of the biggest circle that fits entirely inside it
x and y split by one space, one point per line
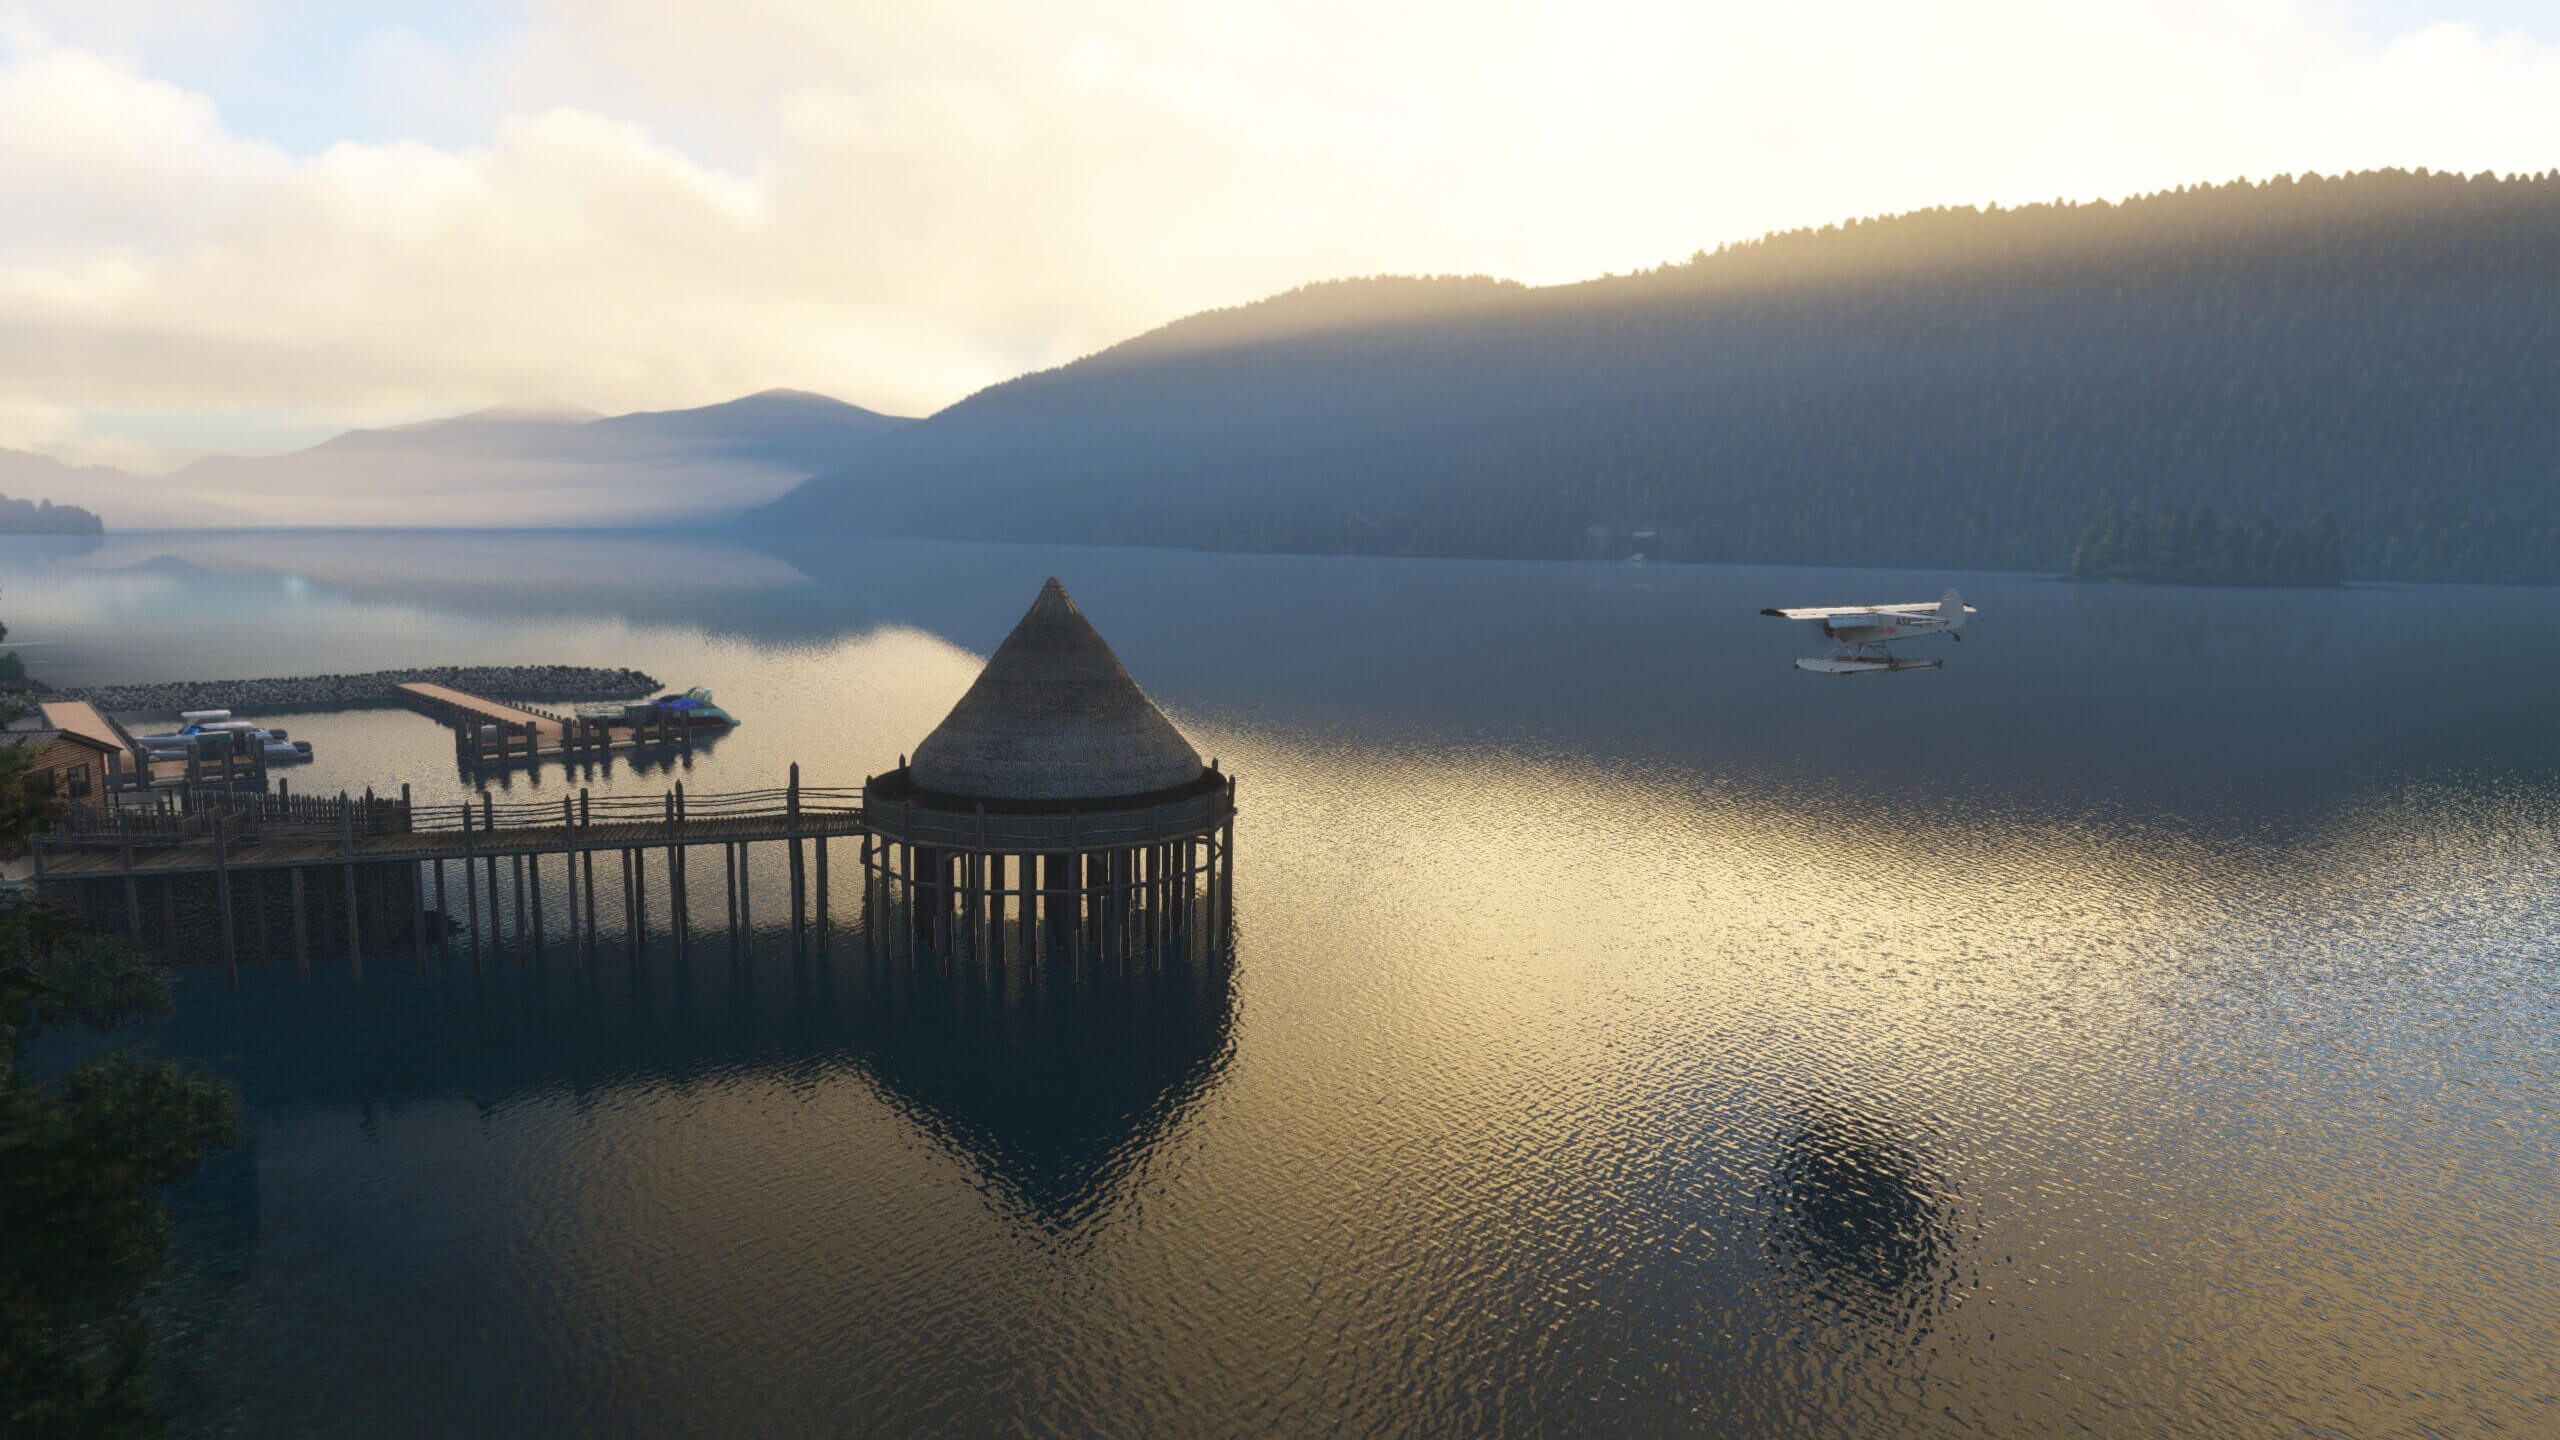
514 682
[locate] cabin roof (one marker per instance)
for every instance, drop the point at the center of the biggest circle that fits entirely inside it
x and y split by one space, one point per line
1054 716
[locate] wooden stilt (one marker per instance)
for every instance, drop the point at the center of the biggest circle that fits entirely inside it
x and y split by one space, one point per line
533 865
266 952
301 930
729 888
444 918
824 921
586 818
132 888
675 870
222 896
639 904
347 848
471 890
799 862
569 863
870 906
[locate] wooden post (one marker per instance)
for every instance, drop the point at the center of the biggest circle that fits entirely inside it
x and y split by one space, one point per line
470 887
870 897
347 848
533 864
517 864
301 930
1227 861
675 875
632 872
132 889
569 862
729 888
799 874
222 890
825 922
266 952
746 917
587 858
444 916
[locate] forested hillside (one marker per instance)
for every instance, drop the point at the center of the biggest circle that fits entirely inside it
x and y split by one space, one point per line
43 517
1951 388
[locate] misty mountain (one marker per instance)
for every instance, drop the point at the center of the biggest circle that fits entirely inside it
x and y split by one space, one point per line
1950 388
130 502
548 465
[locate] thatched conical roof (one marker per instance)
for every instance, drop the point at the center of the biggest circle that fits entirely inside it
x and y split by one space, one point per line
1054 717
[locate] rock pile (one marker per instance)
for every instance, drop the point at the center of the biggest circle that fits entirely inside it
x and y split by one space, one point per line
513 682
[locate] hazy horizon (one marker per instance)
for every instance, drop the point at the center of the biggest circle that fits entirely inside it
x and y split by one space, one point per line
242 229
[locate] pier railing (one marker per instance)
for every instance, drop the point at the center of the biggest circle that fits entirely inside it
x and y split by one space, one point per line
199 816
251 819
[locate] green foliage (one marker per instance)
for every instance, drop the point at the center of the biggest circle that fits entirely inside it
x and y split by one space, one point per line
1952 388
84 1160
2197 548
82 1167
27 801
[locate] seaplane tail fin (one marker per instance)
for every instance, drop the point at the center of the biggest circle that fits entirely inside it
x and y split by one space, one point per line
1951 609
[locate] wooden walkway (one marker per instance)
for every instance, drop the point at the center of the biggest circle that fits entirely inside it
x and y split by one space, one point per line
258 836
487 731
446 701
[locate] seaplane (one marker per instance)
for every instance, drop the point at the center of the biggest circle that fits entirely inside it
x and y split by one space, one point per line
1859 633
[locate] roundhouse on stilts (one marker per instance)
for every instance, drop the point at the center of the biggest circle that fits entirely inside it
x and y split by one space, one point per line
1054 815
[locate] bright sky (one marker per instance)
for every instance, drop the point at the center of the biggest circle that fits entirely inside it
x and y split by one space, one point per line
244 224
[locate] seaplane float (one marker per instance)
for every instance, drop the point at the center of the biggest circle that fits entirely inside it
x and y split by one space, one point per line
1859 633
206 731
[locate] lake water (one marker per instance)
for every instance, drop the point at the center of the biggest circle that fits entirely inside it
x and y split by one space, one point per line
2144 1025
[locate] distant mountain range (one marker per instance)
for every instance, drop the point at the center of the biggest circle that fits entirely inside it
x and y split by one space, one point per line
1950 389
507 466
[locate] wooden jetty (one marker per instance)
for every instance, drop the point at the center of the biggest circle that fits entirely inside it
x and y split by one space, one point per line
491 732
384 854
211 874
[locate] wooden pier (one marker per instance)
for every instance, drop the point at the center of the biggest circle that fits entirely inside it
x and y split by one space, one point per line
385 854
210 875
491 732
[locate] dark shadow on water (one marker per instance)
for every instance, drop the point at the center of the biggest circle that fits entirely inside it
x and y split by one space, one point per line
1863 1224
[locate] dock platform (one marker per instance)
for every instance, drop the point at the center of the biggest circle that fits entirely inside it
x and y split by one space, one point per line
487 731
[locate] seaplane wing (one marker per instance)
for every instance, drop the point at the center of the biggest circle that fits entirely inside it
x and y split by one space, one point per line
1860 632
1915 610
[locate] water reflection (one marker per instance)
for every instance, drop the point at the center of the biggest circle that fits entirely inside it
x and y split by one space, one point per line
1863 1220
1053 1086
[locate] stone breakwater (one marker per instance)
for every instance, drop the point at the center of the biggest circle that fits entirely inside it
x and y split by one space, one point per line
513 682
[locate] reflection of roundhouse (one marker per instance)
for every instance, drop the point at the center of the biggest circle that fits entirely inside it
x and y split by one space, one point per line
1054 1099
1055 808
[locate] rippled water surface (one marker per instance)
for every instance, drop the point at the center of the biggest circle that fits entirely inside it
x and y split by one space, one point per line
2143 1025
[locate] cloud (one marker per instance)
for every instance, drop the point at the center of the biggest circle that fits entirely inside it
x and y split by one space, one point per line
662 203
